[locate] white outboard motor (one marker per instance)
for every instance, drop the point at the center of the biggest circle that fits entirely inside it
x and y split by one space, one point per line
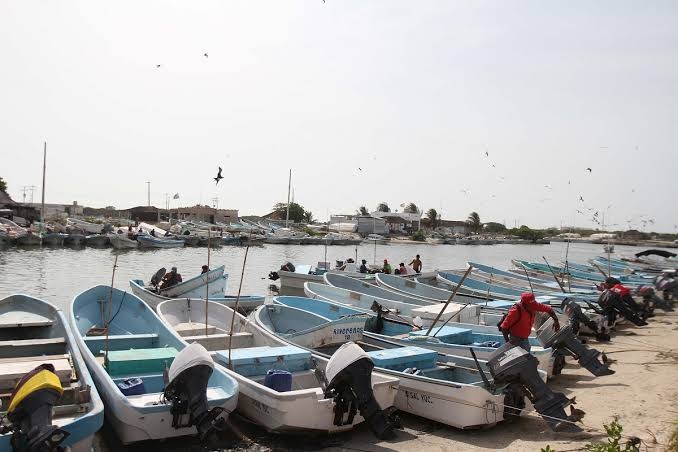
187 391
349 373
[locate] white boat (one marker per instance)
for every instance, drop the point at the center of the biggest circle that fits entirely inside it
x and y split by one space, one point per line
128 350
419 290
412 313
376 238
254 351
148 241
292 283
246 303
33 333
89 228
121 241
196 286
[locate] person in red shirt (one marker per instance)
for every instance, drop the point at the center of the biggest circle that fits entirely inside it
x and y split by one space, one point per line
517 325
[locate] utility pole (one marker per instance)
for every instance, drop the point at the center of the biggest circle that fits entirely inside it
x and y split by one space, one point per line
27 188
215 202
44 168
149 193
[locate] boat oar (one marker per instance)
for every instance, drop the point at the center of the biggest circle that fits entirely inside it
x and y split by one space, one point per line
528 278
554 275
599 269
449 300
110 302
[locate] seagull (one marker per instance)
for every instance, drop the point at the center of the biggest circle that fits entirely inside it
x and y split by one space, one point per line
206 56
487 154
581 198
548 187
569 182
360 169
589 170
157 66
579 211
493 166
219 176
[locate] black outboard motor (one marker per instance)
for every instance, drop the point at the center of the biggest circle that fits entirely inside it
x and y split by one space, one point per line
273 276
564 341
187 391
578 318
612 304
512 365
650 298
30 412
376 324
349 373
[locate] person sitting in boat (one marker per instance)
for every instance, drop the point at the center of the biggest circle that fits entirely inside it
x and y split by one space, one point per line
172 278
402 269
363 267
153 232
387 267
205 269
516 326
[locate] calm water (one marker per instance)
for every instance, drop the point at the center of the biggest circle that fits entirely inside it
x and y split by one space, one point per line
56 275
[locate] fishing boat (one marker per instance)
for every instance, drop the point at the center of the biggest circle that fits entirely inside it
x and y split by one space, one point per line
377 239
450 338
365 287
85 226
418 314
128 350
5 239
309 330
302 407
121 241
97 240
246 303
197 286
53 239
148 241
35 333
417 289
453 390
74 239
29 239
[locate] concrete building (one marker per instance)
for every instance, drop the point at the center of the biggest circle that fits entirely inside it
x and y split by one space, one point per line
61 211
400 221
361 224
206 213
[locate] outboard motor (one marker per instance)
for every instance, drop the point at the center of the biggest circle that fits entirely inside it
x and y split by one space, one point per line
650 298
512 365
612 303
30 412
376 324
563 341
273 276
578 318
349 372
187 391
156 279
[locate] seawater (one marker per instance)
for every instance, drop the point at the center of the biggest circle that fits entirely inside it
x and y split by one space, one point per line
58 274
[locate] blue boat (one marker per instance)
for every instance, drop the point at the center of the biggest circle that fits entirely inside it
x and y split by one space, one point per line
148 241
34 333
451 339
129 350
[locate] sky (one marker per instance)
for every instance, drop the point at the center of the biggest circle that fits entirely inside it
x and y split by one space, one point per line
497 107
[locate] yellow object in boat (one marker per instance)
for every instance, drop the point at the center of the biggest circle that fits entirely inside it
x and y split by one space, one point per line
41 380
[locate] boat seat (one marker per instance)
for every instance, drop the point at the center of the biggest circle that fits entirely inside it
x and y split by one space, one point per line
121 341
12 372
15 319
401 358
193 328
259 360
139 361
240 340
31 342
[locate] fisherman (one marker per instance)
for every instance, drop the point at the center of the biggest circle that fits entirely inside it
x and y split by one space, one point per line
172 278
153 232
205 269
363 267
402 269
416 264
517 324
387 267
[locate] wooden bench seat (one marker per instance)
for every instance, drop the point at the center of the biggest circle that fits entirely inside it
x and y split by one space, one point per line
31 342
12 372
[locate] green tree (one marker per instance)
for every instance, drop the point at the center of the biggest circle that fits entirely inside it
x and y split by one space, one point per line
473 221
432 216
383 207
3 184
363 211
494 228
526 233
308 216
411 208
296 211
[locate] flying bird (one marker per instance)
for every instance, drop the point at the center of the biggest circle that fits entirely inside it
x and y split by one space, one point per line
360 169
581 198
487 154
219 176
493 166
206 55
157 66
580 212
589 170
548 187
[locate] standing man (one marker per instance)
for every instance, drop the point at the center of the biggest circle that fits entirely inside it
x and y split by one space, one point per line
416 264
517 325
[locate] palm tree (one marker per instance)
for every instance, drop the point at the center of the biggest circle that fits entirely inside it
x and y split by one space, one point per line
3 185
363 211
473 222
432 216
411 208
383 207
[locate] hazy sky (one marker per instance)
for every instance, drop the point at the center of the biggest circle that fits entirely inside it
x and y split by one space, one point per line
413 93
